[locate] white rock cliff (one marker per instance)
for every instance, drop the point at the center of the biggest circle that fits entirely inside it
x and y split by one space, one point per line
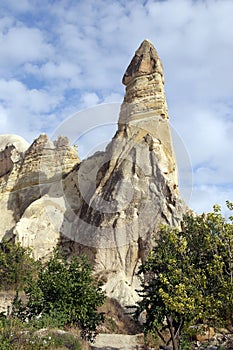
110 205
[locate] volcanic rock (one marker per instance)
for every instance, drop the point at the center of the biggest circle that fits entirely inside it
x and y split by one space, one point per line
118 199
26 174
110 205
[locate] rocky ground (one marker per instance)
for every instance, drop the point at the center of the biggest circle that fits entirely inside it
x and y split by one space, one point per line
118 342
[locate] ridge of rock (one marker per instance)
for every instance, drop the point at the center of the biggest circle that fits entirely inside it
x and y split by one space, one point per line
26 176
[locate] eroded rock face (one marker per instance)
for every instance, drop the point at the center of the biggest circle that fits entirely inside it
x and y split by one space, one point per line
6 161
110 205
12 149
144 80
20 144
130 189
26 174
40 225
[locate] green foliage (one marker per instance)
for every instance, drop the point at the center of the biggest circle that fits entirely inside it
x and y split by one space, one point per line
188 277
9 330
65 293
16 335
64 340
16 265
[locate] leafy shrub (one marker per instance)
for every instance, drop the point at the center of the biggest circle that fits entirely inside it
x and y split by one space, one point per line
16 265
64 292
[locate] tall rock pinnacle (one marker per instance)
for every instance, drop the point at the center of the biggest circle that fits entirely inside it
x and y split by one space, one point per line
144 82
145 61
144 106
128 191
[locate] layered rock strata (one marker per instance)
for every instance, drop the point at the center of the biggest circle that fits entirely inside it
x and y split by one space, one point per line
27 174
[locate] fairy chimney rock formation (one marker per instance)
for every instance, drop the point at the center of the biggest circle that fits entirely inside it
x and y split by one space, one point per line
145 105
108 206
145 61
144 80
125 193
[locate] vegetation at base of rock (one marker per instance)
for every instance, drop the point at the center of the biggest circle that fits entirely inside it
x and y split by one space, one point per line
16 265
15 336
65 293
188 278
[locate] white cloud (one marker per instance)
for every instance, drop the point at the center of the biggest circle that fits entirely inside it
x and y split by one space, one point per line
22 44
3 117
24 111
113 97
61 70
205 196
6 23
89 99
13 93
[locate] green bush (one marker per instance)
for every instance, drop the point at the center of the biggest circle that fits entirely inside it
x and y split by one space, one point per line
16 265
66 293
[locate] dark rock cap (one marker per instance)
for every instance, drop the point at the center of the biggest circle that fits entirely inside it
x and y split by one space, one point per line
145 61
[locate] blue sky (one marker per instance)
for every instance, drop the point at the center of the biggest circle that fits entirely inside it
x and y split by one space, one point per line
59 57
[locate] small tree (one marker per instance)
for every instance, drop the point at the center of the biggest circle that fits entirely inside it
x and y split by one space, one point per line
188 276
65 293
16 265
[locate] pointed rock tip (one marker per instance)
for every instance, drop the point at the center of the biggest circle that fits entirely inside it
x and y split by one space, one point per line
147 41
145 61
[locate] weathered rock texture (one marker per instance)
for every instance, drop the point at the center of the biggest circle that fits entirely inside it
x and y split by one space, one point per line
110 205
118 199
144 82
12 148
26 174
